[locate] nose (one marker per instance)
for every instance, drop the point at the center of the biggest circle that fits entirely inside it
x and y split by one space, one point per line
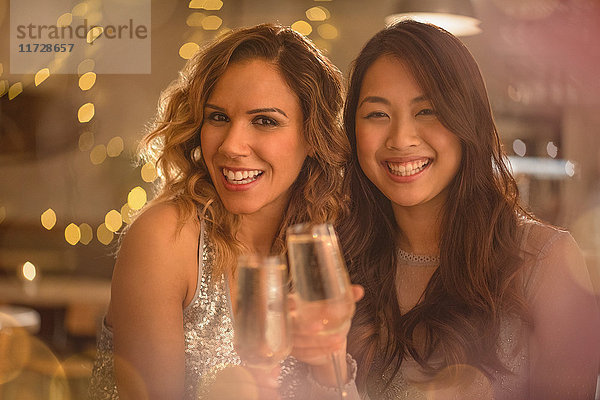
403 133
236 141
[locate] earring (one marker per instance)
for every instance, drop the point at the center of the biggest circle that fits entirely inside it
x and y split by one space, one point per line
197 154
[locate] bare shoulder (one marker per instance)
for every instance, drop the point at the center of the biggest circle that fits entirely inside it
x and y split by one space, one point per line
158 256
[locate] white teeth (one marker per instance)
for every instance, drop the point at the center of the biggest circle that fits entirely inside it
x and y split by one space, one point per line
241 177
407 169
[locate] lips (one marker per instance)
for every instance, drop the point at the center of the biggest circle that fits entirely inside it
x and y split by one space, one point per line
241 176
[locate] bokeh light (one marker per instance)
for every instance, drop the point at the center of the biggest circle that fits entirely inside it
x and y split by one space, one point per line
86 65
104 235
2 213
87 80
86 233
552 149
115 147
302 27
136 198
187 50
80 9
15 90
519 147
113 220
86 112
126 213
72 234
327 31
64 20
212 23
148 172
98 154
41 76
195 19
29 271
317 13
48 219
3 87
570 168
94 33
86 141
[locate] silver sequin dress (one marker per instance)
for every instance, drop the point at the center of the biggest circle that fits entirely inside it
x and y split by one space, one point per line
208 331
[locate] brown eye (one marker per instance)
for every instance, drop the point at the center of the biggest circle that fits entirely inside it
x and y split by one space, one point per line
265 121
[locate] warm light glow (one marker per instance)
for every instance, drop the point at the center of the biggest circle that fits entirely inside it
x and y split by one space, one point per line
458 25
551 149
148 172
302 27
196 4
15 90
41 76
187 50
72 234
3 87
94 33
213 5
1 69
86 112
104 235
136 198
29 271
317 13
64 20
113 220
327 31
86 65
126 213
86 233
115 147
519 147
195 19
48 219
86 141
212 23
98 154
570 168
2 213
80 9
87 80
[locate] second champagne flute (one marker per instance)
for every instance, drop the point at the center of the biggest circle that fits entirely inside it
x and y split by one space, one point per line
322 287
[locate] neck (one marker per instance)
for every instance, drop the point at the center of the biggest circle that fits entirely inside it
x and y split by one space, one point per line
419 228
257 231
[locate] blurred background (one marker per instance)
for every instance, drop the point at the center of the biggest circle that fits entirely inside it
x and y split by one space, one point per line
69 178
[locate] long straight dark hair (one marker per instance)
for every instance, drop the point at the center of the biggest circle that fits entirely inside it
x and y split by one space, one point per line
460 311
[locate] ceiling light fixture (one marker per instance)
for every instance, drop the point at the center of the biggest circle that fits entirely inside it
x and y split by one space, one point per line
455 16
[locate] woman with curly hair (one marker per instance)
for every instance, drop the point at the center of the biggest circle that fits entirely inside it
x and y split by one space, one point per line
247 141
467 296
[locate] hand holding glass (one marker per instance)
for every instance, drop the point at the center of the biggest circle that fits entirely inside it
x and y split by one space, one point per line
323 294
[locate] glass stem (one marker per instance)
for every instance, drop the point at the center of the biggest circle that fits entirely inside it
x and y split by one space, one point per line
335 359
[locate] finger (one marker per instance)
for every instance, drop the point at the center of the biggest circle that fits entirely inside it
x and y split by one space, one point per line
358 292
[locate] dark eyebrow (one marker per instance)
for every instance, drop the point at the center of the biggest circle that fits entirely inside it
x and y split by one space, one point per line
378 99
374 99
208 105
263 110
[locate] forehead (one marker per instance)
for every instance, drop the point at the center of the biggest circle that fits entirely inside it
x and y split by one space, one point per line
253 81
389 75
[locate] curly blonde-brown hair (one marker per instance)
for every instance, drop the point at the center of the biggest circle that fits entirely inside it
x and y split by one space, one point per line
174 142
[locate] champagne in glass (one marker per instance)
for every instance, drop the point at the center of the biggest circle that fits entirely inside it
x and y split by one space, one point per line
261 323
322 287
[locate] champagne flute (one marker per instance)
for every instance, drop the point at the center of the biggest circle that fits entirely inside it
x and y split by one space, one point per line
321 282
261 323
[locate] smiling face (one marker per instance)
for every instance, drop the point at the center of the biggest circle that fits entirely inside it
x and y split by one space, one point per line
402 146
252 139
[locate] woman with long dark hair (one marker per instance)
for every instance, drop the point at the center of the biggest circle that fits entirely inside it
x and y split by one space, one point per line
466 294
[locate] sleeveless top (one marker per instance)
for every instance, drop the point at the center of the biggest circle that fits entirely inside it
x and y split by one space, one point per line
208 339
512 346
208 335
